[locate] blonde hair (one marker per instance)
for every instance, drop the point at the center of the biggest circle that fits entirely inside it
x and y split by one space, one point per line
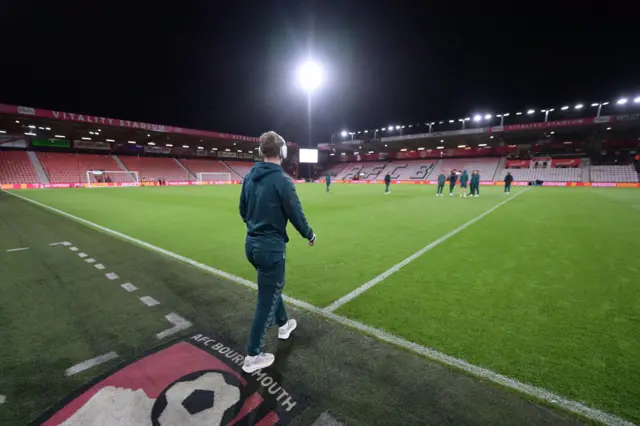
270 144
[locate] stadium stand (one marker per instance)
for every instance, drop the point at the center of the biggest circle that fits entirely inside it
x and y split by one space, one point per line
336 170
72 168
614 174
16 167
153 168
370 171
241 168
199 165
350 171
486 166
554 174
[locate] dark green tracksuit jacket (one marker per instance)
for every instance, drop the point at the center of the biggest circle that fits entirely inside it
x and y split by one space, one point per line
327 180
464 179
387 181
507 183
267 202
475 184
442 179
452 182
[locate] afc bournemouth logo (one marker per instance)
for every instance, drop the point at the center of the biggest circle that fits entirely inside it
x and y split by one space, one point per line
197 381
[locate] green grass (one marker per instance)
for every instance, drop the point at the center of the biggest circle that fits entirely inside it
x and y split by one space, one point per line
544 289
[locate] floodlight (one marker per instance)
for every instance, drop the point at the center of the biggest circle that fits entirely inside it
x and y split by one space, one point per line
622 101
477 117
310 76
343 133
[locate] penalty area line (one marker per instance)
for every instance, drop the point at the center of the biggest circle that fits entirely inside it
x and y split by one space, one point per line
395 268
538 393
90 363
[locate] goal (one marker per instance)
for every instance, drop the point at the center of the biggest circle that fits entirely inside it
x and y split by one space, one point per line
211 176
95 178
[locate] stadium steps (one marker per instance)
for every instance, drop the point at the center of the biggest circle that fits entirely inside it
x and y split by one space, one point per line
586 170
191 175
435 171
499 169
232 170
37 166
120 163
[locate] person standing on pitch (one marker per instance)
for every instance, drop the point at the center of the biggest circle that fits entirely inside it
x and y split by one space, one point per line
475 183
464 180
327 180
267 202
453 178
442 179
507 183
387 182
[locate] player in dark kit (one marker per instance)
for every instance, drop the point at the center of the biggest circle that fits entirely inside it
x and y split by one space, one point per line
387 182
507 183
267 202
453 178
442 179
475 183
327 180
464 180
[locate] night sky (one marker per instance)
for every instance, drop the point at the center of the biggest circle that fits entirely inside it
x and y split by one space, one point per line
230 67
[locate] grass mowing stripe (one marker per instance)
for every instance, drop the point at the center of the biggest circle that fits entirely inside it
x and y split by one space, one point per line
395 268
483 373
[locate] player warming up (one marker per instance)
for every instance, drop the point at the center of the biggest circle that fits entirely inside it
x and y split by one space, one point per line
464 180
507 183
387 182
327 180
453 178
267 202
442 179
475 183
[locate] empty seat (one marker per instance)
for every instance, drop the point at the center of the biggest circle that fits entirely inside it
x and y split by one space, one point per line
72 168
16 167
154 168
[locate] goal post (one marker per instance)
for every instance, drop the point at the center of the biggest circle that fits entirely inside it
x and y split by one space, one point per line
95 178
213 176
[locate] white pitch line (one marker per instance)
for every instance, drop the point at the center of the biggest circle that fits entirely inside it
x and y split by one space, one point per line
129 287
395 268
112 276
99 266
90 363
18 249
90 260
63 243
474 370
82 255
3 399
73 248
178 322
149 301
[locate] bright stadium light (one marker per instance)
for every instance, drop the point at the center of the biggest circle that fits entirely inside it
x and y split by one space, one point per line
397 127
59 136
151 143
477 118
185 146
452 121
564 108
487 117
109 140
343 133
390 128
131 142
310 76
518 113
579 106
169 145
3 131
622 101
530 111
636 100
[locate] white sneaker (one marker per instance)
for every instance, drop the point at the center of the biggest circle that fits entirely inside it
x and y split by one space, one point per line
258 362
285 331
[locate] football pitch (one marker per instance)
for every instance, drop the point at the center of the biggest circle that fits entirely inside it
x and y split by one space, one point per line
540 286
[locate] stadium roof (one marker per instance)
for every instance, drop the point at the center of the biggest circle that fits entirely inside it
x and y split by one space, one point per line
44 123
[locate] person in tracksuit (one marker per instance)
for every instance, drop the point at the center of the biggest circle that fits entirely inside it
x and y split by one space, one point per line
387 182
268 201
327 180
442 179
464 180
507 183
453 178
475 183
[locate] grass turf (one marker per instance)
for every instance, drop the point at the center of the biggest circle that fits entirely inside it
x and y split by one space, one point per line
541 290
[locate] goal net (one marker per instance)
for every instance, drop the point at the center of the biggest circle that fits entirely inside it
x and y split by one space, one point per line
211 176
96 178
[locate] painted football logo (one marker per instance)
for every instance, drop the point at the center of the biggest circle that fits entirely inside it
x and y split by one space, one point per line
202 398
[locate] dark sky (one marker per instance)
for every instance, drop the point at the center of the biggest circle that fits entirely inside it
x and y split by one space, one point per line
229 65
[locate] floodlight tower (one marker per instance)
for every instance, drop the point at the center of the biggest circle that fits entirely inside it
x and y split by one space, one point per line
310 76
